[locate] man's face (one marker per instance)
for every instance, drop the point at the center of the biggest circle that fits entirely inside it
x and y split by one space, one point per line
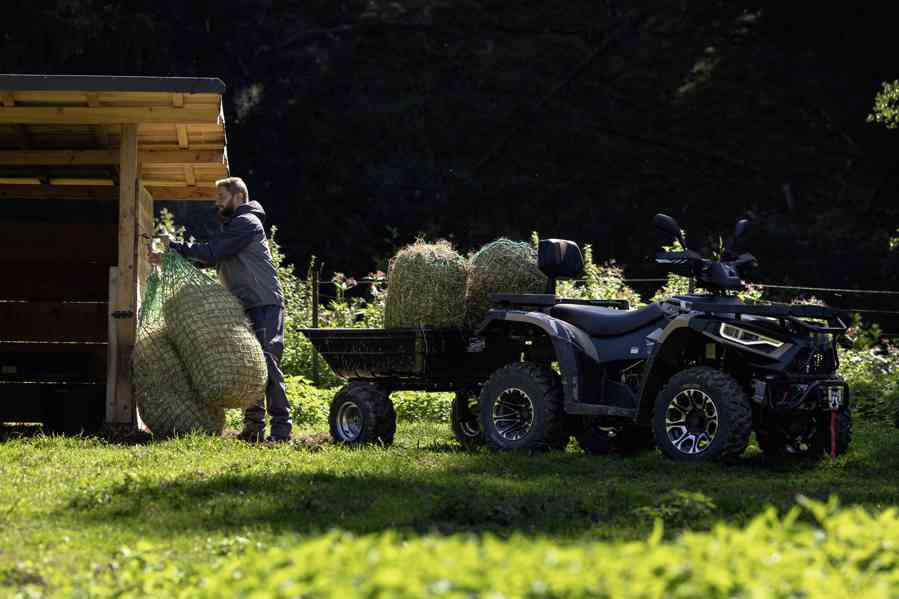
227 202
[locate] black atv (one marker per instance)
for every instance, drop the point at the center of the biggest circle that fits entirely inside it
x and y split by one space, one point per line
693 375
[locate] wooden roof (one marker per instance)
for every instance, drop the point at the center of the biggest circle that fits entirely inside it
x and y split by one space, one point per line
61 131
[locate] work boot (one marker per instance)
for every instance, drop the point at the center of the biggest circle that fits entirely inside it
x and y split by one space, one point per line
251 434
281 431
272 439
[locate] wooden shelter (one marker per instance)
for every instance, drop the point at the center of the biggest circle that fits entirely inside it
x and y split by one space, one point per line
82 159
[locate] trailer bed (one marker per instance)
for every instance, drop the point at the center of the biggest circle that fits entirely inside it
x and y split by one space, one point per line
416 359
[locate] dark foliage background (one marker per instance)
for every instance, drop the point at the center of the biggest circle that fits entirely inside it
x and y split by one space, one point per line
362 123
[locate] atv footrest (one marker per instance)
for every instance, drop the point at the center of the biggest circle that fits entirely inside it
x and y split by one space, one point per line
588 409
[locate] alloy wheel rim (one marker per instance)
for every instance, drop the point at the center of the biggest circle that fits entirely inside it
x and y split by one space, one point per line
691 421
513 414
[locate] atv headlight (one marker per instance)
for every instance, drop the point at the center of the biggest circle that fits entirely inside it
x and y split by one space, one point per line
744 337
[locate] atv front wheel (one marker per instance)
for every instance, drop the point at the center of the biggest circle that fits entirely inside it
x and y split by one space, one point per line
522 408
362 413
702 414
816 441
465 419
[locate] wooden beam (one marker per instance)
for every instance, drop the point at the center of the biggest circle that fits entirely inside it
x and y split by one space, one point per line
178 100
183 140
176 157
82 182
175 183
189 175
122 410
9 99
57 192
93 99
19 181
81 115
168 194
107 157
57 157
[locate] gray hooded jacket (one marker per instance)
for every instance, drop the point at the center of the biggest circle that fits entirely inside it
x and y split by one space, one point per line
240 254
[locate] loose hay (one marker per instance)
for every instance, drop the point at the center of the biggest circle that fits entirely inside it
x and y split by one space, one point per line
426 287
501 266
166 400
225 362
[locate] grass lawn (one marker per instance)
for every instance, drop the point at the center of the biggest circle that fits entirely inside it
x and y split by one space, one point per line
73 507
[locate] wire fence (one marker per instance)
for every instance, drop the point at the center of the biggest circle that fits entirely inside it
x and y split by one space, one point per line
881 293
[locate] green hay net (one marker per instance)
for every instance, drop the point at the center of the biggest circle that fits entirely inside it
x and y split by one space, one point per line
190 324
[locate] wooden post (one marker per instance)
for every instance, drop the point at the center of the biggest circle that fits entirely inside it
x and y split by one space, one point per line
120 410
112 354
315 286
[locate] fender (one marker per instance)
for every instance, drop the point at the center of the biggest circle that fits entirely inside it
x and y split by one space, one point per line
666 342
570 344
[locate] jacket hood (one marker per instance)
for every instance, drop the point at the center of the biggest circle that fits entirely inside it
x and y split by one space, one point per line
254 208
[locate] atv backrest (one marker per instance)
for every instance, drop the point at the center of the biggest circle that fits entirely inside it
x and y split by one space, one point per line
559 258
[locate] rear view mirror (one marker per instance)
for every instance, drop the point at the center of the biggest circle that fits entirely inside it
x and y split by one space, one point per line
739 233
665 223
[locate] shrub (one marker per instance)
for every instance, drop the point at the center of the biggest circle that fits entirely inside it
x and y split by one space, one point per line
818 551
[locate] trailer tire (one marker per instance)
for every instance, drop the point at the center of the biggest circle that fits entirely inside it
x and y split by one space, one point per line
465 419
362 413
522 407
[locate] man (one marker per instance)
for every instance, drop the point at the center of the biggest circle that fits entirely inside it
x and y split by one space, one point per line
241 255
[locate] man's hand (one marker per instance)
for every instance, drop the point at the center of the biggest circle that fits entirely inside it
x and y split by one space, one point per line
166 239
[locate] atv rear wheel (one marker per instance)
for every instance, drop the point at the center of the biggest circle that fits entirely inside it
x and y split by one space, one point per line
362 413
702 414
465 419
522 408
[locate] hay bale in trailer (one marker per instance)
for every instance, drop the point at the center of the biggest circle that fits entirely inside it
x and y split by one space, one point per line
81 161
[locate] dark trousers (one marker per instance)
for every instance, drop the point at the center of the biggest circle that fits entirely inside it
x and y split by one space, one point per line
268 324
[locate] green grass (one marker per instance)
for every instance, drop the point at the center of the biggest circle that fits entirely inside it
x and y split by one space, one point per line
72 507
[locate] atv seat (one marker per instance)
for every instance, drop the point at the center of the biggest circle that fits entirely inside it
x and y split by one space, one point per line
603 322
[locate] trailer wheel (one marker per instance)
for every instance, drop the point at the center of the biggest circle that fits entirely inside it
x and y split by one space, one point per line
362 413
522 408
465 419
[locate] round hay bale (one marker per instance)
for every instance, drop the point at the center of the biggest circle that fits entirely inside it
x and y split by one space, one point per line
167 402
501 266
426 287
225 362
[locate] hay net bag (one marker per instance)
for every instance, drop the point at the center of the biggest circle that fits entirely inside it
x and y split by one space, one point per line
206 327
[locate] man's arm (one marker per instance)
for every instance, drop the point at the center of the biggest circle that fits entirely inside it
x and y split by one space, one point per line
235 237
